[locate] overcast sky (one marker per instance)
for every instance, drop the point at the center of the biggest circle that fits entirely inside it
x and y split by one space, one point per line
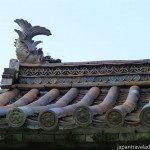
82 30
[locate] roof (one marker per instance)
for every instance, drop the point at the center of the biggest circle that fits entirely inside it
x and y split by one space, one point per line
70 95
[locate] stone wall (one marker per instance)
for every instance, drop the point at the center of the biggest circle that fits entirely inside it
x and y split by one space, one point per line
72 138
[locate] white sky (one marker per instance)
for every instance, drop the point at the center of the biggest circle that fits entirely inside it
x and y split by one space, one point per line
83 30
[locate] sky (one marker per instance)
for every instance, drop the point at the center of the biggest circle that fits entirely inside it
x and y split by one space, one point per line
82 30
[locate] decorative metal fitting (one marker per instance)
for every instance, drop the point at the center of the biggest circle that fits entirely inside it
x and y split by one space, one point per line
83 116
48 120
16 117
145 116
114 118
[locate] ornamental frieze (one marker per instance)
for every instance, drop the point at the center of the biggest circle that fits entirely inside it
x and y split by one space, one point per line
55 80
85 70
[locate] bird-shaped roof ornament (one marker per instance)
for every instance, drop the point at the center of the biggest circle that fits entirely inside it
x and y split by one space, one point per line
26 47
